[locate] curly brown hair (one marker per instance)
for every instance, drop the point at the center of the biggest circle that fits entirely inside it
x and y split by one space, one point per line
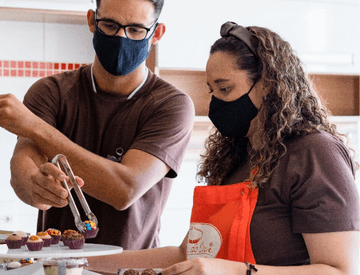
291 107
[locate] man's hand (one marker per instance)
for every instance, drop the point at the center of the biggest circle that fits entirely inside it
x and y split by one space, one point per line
45 188
15 117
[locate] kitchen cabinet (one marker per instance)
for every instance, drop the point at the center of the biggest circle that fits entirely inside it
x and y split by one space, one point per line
339 92
66 5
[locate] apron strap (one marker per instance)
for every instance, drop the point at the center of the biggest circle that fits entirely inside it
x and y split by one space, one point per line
240 230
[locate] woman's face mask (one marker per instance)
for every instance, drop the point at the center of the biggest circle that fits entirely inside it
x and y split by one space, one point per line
233 118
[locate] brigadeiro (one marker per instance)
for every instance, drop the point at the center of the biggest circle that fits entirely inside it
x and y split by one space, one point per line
66 235
23 235
46 238
131 272
148 271
34 243
76 241
90 230
14 241
55 234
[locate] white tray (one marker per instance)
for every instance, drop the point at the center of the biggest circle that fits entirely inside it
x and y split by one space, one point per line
60 251
36 269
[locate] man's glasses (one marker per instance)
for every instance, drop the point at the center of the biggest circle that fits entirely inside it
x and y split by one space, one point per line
111 28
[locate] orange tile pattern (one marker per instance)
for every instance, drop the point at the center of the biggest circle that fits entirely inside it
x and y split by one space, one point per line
12 68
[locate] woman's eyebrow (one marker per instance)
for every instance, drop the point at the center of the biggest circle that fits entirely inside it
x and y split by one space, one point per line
221 80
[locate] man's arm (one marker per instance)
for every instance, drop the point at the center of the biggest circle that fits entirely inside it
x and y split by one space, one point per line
118 184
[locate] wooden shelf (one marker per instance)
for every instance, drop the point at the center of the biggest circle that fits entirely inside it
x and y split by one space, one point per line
340 92
46 16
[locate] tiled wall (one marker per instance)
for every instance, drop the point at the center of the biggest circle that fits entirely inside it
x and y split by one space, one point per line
28 52
13 68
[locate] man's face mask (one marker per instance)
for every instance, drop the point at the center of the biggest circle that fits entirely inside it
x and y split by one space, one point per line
121 55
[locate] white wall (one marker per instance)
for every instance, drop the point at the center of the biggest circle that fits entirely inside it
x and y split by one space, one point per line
318 30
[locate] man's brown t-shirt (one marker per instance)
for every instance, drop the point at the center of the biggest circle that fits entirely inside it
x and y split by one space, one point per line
158 119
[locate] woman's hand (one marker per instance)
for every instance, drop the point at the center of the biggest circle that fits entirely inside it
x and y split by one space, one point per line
205 266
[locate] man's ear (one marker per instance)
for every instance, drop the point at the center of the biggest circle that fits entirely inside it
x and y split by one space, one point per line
91 20
159 32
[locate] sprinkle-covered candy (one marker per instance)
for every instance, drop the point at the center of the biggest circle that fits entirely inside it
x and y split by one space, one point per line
90 225
53 231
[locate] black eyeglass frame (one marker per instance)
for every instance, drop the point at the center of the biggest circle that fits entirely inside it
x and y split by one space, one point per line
123 27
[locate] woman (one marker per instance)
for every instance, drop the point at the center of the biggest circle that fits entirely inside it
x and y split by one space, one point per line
280 195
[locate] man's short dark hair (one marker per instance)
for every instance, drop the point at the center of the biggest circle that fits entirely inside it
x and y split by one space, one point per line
158 5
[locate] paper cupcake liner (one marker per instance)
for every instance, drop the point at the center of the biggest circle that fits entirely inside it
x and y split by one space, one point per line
55 239
65 242
24 240
76 244
47 242
89 234
34 246
13 244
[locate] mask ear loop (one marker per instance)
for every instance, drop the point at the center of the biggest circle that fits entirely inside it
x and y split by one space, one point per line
252 86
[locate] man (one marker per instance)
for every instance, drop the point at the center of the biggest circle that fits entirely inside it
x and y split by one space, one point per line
123 130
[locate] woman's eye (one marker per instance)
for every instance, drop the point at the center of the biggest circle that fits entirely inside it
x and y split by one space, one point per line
224 89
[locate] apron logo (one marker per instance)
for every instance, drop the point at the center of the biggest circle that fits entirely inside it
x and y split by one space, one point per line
120 152
204 240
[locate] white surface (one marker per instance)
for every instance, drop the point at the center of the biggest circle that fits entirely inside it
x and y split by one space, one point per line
60 251
50 42
37 269
68 43
34 269
313 28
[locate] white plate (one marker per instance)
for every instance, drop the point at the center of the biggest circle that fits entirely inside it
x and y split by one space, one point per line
3 237
60 251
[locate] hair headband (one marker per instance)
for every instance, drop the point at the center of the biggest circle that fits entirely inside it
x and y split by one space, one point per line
239 32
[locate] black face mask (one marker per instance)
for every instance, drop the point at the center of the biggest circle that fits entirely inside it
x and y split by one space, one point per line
233 118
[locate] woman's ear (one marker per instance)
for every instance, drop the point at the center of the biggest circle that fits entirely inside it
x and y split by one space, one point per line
159 32
91 20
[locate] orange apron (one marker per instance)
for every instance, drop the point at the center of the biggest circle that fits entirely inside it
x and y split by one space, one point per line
220 222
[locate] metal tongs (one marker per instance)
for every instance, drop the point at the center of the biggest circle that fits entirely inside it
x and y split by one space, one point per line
61 160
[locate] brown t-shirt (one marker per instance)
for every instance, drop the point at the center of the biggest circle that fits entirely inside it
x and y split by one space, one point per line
158 119
312 191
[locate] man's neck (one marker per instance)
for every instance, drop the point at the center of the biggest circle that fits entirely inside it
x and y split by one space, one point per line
118 84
